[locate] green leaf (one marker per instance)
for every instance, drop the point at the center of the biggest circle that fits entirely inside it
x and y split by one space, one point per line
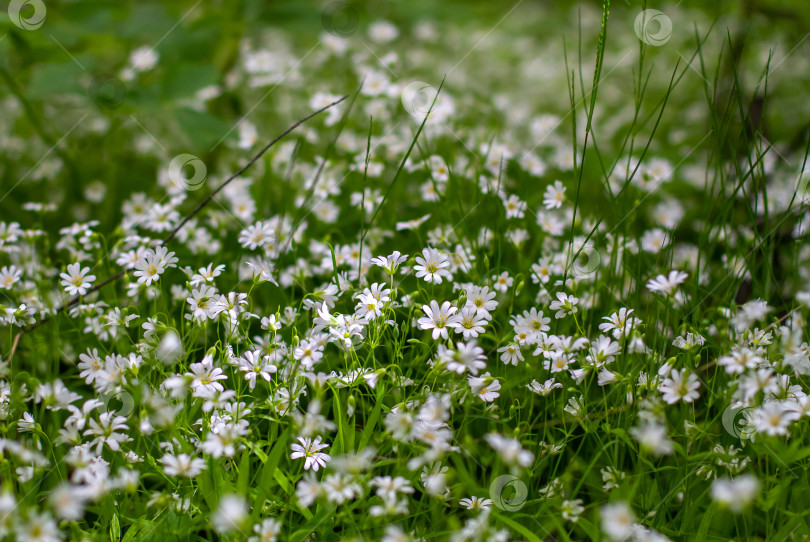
706 522
115 528
132 532
371 421
267 477
244 473
208 486
530 534
282 480
787 530
341 442
203 130
334 266
311 525
185 80
50 79
144 20
256 448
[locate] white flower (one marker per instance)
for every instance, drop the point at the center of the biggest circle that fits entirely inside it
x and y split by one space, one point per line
611 477
485 387
575 407
262 270
266 531
774 417
667 284
205 377
439 319
544 388
689 341
433 266
76 281
736 494
308 490
482 299
554 195
475 503
270 323
143 59
653 438
620 323
388 488
471 322
254 364
434 478
654 240
411 224
259 234
749 314
394 533
572 509
38 528
153 264
104 431
680 387
9 276
606 377
230 514
514 207
510 354
69 500
310 450
466 357
26 423
375 83
368 307
542 271
617 520
739 360
203 303
502 282
182 465
391 262
340 488
532 323
206 274
565 305
510 450
222 440
382 31
308 353
602 351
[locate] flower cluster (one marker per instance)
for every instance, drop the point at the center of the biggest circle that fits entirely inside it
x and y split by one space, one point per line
447 311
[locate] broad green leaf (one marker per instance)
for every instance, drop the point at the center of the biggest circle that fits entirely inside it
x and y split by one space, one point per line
185 80
55 78
115 529
202 129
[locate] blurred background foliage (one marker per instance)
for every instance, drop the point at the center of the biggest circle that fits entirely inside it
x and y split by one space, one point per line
67 72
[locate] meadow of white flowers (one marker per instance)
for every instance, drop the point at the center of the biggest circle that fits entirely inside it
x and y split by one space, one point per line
539 277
